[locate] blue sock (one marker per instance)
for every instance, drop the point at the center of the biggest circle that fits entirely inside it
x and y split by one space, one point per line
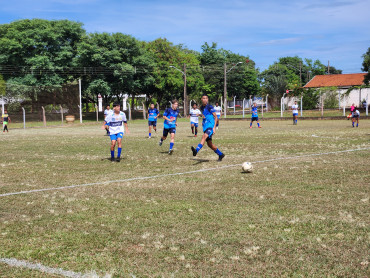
112 154
218 152
150 134
250 124
258 124
357 125
119 152
199 147
171 145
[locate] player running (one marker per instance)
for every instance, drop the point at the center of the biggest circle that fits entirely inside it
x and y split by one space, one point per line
355 116
6 120
255 116
209 128
153 114
218 110
107 111
194 120
114 121
295 113
170 123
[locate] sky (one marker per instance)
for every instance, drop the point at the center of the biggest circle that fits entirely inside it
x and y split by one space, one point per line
333 30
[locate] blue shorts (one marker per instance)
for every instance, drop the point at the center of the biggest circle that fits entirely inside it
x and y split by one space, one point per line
195 124
153 123
209 131
116 136
254 119
168 130
295 114
218 116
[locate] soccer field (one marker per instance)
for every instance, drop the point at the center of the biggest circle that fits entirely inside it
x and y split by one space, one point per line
303 211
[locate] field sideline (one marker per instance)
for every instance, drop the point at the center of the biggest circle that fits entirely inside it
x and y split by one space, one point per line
302 212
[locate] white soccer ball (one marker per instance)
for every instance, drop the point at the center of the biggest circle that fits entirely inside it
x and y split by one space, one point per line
247 167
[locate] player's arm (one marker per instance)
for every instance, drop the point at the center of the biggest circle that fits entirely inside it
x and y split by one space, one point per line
215 117
126 127
157 115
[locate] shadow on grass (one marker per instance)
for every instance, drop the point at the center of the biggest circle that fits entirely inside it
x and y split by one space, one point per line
198 161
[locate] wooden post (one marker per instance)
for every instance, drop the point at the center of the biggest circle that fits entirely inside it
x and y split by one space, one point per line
225 90
61 112
43 115
144 114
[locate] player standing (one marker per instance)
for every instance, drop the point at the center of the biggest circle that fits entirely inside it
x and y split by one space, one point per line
295 113
114 121
194 120
355 116
218 110
107 111
6 120
209 128
255 116
170 123
153 114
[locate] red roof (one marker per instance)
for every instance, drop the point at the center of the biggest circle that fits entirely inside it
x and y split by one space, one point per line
336 80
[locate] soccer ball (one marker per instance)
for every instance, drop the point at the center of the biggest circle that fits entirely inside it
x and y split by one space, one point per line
247 167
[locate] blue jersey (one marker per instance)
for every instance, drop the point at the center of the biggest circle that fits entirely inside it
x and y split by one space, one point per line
172 115
208 118
152 114
254 112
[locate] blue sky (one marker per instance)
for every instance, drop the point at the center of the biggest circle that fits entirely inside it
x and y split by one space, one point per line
334 30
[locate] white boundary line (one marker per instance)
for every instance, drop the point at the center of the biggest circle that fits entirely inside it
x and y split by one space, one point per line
173 174
42 268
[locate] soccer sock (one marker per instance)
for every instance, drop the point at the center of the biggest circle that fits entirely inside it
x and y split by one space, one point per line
199 147
357 124
250 124
150 134
196 130
217 125
161 139
258 124
218 152
119 152
192 129
112 154
171 145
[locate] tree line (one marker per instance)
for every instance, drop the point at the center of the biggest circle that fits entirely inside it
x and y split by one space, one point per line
42 53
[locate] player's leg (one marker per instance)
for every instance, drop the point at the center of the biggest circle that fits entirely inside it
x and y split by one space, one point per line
201 144
357 120
250 125
112 147
192 128
155 126
165 133
215 149
353 121
150 129
196 130
172 142
258 123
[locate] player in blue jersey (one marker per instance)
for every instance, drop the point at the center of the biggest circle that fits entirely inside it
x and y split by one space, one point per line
170 123
115 122
255 116
153 114
209 128
194 120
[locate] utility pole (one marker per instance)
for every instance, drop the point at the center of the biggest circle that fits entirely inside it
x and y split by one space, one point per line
328 67
225 91
185 93
300 73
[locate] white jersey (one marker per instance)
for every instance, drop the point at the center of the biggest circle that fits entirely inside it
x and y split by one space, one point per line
107 112
115 122
295 108
194 115
217 110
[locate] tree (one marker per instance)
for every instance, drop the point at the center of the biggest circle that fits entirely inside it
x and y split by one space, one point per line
366 66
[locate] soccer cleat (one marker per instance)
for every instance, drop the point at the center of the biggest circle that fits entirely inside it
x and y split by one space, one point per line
149 137
217 128
170 152
260 127
195 135
112 159
250 127
160 143
118 159
220 157
194 151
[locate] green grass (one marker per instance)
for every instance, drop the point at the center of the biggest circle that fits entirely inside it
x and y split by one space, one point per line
305 217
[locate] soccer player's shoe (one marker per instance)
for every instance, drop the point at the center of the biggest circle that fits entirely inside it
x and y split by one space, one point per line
194 151
160 143
149 137
170 152
112 159
260 127
220 157
118 159
250 127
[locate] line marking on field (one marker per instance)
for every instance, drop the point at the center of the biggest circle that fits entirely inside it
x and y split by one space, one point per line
39 267
175 174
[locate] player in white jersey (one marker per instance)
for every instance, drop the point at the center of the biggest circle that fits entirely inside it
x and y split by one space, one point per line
295 113
115 122
218 110
194 120
107 111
